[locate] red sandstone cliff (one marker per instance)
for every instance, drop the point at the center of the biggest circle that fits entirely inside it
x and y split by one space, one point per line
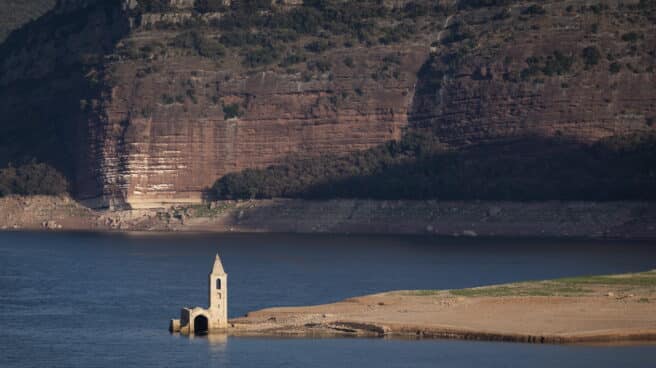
174 151
146 120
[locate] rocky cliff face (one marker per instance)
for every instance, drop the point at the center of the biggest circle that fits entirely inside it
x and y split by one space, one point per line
145 111
167 136
51 80
561 69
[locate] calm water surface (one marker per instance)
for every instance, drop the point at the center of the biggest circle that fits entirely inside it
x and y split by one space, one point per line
92 300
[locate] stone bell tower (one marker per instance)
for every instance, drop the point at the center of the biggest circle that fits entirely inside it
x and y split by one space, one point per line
201 321
218 295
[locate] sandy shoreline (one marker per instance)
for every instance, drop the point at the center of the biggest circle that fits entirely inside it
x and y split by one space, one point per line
551 219
577 310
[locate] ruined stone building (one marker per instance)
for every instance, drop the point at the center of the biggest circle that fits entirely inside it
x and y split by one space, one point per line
202 321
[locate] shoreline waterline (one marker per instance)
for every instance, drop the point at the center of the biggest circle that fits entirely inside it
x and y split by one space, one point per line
482 219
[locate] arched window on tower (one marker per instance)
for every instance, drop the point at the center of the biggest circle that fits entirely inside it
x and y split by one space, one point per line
218 284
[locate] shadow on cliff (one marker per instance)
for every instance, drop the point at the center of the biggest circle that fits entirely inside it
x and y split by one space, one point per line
51 80
519 165
524 169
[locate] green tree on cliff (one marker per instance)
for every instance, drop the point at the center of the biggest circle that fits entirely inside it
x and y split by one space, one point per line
32 179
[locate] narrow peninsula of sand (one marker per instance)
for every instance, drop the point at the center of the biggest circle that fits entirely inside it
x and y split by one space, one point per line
571 310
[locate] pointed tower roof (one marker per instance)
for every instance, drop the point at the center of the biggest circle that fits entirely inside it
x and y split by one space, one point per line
218 266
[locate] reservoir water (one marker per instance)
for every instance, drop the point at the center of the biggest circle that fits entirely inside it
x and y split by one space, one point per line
98 300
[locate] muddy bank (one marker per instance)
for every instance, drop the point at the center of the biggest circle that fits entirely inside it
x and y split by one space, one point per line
597 309
635 220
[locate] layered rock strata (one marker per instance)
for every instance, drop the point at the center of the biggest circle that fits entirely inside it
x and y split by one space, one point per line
572 71
158 150
142 122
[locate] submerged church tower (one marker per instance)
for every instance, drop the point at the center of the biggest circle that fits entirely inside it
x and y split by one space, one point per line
218 289
215 318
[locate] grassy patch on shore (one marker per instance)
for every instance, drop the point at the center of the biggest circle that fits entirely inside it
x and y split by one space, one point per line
423 292
539 289
632 279
569 286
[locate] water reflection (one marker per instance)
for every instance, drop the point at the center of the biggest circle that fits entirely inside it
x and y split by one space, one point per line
218 341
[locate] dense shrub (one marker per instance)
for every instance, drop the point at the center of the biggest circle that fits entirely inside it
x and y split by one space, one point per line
319 46
209 47
534 10
645 5
598 8
556 64
246 23
260 56
239 39
231 111
591 56
483 3
414 9
297 176
260 29
204 46
631 37
207 6
397 33
167 99
31 179
502 14
155 6
419 168
251 6
615 68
